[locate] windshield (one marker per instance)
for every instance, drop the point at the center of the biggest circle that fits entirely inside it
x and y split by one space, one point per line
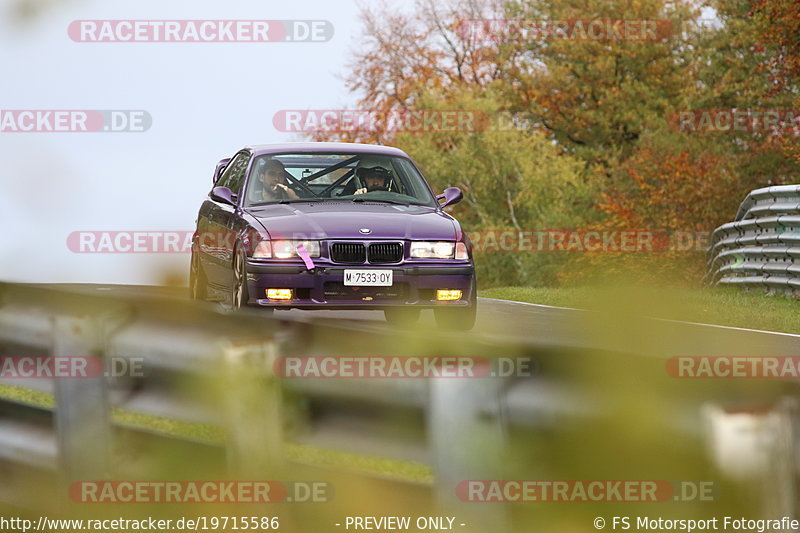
304 177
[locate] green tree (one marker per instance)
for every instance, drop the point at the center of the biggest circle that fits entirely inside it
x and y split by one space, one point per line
597 98
513 179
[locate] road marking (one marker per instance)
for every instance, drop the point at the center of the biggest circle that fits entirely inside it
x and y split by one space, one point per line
750 330
532 304
794 335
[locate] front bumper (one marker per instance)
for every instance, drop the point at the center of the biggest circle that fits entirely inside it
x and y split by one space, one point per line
413 284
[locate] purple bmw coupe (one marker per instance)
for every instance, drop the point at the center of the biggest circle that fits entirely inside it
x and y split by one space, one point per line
332 226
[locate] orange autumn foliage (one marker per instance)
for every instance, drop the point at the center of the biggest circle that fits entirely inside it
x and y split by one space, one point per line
672 191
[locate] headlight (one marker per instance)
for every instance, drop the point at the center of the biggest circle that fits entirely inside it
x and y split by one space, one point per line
432 250
284 249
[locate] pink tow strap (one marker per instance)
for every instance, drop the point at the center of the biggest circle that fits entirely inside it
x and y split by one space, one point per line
301 251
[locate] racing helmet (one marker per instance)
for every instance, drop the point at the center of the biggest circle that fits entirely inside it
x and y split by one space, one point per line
372 170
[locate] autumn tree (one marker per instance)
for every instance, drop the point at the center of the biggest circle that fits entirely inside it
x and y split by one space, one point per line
403 56
777 26
693 180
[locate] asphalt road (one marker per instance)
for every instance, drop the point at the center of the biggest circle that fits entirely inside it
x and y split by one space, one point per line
624 330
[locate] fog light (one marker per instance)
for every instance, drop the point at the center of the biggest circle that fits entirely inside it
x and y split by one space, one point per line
279 294
448 294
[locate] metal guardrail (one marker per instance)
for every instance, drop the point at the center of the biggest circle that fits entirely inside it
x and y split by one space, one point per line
461 427
184 347
761 248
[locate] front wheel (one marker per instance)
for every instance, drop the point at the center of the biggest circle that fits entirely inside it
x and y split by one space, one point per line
239 294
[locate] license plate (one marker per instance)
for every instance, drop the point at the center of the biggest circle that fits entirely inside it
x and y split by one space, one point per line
367 278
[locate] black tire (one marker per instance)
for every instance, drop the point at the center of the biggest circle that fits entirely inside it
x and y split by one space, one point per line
401 316
239 294
458 318
198 289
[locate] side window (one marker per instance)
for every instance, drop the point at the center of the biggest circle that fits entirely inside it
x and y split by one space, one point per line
406 185
220 168
233 176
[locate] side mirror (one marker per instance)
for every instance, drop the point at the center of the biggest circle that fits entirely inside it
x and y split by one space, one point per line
451 195
222 194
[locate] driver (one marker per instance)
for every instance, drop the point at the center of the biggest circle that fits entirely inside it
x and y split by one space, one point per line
272 181
374 175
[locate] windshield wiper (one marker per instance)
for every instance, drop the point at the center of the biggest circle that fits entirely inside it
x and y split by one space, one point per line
395 202
299 200
287 201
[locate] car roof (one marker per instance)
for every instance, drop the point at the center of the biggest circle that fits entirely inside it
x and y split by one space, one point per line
326 147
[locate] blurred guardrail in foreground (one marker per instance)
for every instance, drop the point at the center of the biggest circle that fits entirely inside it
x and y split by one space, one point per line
761 248
582 413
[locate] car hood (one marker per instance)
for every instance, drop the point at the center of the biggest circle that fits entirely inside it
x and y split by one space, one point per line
345 220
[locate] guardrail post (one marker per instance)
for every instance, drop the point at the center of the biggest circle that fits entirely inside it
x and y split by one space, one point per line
83 427
756 449
252 400
467 432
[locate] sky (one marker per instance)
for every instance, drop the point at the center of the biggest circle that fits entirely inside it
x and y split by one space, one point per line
206 101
